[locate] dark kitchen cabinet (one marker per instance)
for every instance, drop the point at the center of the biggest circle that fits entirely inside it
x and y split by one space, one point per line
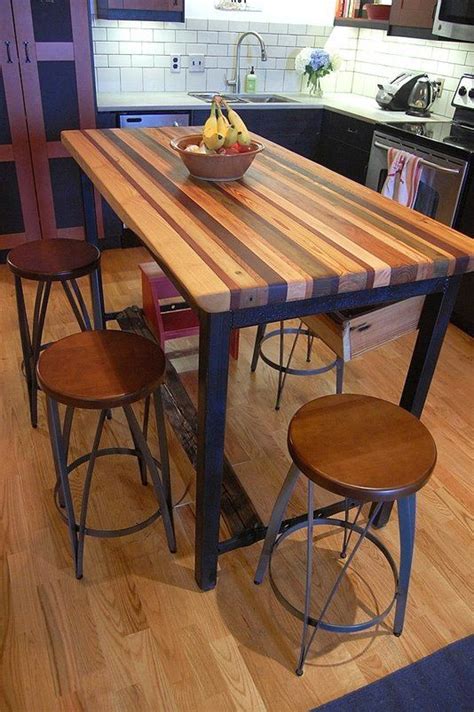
413 13
295 129
19 219
168 10
344 145
46 86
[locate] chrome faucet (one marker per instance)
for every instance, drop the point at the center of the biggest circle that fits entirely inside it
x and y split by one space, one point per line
236 81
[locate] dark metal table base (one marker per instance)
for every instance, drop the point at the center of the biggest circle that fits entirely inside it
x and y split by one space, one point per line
214 343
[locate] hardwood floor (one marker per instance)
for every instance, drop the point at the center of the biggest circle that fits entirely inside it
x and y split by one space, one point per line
136 633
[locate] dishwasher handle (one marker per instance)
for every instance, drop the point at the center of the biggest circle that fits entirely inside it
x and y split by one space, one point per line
428 164
153 120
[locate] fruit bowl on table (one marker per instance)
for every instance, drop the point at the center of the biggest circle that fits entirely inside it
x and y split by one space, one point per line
216 167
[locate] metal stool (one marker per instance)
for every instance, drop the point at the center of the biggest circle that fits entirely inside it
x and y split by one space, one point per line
101 370
367 450
45 262
285 370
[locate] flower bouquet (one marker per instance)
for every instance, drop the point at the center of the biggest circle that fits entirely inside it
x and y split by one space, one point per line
315 64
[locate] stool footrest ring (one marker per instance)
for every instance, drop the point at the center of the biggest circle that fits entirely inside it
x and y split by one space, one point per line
324 625
287 369
107 533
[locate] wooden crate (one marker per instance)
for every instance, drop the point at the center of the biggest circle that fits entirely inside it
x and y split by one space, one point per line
351 333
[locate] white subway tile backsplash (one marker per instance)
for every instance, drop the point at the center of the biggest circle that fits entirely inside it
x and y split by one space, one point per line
118 34
131 79
153 79
142 60
141 35
108 79
102 60
106 47
135 56
130 47
120 60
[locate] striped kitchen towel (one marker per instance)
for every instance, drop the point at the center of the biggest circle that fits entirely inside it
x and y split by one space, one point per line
403 178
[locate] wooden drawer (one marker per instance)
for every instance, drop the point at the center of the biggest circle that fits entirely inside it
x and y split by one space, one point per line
352 333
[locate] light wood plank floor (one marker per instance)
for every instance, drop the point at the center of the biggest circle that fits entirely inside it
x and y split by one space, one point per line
136 633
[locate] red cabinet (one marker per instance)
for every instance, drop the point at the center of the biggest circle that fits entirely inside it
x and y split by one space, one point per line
47 86
413 13
170 10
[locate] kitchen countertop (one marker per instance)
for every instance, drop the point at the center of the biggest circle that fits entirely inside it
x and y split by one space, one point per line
361 107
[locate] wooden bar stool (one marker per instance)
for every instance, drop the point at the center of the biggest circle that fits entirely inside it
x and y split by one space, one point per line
367 450
45 262
102 370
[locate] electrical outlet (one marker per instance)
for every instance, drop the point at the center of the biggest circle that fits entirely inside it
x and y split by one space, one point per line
197 63
440 84
175 63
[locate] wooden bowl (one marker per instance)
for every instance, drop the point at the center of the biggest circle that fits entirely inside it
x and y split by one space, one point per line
219 167
377 12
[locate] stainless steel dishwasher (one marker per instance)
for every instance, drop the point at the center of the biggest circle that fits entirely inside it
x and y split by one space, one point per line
142 121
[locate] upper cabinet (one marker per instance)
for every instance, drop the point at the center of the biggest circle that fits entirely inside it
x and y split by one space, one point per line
413 13
167 10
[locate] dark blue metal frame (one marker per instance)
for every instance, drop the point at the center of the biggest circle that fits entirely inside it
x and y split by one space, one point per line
213 374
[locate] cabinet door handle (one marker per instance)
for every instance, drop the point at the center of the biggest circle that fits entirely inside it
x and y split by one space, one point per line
9 56
27 54
352 131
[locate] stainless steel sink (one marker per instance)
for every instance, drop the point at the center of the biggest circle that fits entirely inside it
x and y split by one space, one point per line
208 97
266 99
244 98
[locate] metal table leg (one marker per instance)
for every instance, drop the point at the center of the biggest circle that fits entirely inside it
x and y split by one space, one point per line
90 228
213 374
434 321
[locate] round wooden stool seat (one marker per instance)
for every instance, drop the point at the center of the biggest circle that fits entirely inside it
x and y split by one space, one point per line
101 369
58 259
361 447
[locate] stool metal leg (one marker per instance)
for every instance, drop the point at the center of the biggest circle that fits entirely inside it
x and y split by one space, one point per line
75 308
164 455
256 349
85 494
82 305
60 465
39 316
66 435
309 578
158 486
275 522
305 648
339 375
141 459
97 293
309 345
284 370
406 522
25 337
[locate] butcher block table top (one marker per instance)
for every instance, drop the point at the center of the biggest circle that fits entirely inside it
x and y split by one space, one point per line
289 230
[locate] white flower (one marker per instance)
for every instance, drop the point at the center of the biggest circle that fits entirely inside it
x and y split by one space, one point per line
303 59
336 61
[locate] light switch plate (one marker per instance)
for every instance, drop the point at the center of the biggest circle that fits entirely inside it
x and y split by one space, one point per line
175 63
197 63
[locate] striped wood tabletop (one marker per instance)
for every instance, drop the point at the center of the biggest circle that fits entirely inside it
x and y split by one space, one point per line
289 230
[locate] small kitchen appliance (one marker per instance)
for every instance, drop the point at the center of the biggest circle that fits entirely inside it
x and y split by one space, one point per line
394 95
422 97
454 19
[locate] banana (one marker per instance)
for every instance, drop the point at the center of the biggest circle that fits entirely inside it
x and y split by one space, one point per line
212 138
243 136
231 136
222 122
